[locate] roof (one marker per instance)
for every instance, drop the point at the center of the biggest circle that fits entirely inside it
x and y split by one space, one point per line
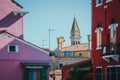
84 65
16 3
23 41
75 27
78 47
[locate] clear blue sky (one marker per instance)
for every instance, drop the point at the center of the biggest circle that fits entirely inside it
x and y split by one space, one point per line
57 15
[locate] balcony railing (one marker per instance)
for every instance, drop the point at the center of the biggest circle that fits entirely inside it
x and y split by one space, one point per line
111 51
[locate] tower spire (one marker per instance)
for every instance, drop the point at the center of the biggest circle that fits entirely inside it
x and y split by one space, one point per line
75 33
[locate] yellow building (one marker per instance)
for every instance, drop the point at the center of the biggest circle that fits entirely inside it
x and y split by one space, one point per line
76 52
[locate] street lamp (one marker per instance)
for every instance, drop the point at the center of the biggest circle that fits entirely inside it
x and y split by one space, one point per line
50 35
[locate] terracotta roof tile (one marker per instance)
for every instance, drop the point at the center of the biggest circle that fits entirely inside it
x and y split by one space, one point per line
78 47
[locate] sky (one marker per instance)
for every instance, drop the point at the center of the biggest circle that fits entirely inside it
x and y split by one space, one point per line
56 15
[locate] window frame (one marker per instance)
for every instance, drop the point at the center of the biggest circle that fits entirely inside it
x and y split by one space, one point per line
16 48
99 37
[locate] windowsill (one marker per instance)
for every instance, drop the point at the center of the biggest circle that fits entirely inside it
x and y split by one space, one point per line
98 48
108 1
97 5
12 52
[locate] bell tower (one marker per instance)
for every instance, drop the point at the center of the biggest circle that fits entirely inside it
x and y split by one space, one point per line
75 33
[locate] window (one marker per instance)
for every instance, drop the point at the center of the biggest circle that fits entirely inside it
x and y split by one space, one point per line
60 65
68 54
98 2
113 73
98 31
34 75
98 73
58 54
113 32
112 28
80 54
104 49
118 73
12 48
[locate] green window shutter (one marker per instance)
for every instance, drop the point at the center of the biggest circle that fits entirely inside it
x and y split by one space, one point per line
26 74
43 74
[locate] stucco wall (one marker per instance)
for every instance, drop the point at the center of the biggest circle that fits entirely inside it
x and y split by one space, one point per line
13 24
25 52
10 70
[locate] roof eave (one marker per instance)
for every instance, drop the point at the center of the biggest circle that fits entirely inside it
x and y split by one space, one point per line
16 3
23 41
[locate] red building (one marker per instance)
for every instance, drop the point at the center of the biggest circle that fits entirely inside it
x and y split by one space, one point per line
106 39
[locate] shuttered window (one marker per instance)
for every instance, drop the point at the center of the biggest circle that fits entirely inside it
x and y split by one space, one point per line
43 74
98 73
35 74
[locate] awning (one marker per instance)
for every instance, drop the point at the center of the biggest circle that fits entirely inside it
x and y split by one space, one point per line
34 65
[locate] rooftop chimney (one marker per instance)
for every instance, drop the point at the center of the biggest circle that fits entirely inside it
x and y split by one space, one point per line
60 42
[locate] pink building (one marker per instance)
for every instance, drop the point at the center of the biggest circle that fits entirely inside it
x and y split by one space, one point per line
19 59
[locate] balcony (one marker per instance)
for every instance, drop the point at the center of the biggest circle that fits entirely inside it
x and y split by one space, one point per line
111 51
